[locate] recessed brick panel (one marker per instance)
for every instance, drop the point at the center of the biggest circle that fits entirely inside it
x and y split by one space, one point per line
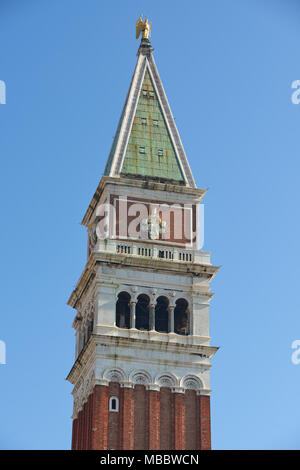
114 435
140 418
191 420
154 419
166 419
127 404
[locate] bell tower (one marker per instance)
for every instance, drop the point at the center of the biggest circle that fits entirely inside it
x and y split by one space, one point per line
141 374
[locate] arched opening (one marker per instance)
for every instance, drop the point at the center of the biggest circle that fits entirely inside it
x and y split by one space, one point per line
123 310
181 317
142 311
114 404
161 315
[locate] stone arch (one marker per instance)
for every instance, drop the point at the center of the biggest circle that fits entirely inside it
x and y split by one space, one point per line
123 310
166 380
162 314
140 377
191 382
142 312
181 317
115 375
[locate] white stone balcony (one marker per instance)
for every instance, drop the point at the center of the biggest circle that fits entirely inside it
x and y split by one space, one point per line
152 251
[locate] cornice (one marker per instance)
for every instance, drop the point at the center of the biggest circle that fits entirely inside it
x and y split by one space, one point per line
90 349
157 264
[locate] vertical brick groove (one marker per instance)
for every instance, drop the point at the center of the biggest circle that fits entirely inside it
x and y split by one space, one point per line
154 419
179 421
205 437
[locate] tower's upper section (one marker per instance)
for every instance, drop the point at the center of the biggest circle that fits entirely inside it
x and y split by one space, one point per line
147 144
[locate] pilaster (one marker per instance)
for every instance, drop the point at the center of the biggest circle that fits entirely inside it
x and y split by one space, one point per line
100 418
154 419
179 421
205 425
127 404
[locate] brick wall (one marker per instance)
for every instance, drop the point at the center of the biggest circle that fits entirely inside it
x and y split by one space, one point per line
147 419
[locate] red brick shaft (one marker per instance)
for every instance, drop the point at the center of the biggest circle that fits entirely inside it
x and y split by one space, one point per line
91 427
154 419
179 421
205 433
100 418
127 404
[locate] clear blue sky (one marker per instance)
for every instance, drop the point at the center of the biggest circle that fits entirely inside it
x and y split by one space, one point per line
227 68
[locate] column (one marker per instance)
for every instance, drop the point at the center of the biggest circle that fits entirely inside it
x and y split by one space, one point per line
179 420
152 317
171 318
154 419
127 410
132 314
100 418
204 431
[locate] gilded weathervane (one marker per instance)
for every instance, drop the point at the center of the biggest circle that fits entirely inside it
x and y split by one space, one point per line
144 27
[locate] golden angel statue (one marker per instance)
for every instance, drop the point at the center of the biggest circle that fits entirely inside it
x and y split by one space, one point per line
144 27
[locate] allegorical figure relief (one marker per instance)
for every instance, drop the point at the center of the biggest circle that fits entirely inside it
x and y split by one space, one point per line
153 226
143 27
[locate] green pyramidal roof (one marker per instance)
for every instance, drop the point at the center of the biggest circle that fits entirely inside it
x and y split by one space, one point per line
147 143
150 151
